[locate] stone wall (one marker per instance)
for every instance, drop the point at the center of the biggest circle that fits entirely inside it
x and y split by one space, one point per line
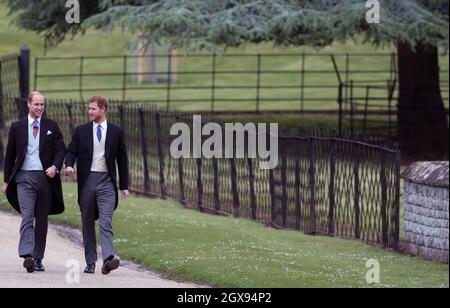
426 205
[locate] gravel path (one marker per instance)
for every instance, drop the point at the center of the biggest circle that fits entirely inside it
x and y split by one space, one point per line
64 263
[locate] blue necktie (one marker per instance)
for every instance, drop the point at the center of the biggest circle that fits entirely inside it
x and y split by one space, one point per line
99 133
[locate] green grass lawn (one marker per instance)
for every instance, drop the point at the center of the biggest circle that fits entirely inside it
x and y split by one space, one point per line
222 251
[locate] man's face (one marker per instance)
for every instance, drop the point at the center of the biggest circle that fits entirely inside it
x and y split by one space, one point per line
37 106
95 113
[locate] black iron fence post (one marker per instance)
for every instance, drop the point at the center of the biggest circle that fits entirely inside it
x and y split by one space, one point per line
251 183
273 213
24 80
144 151
181 180
199 184
298 196
331 188
284 198
383 182
234 188
121 116
216 184
357 196
312 189
71 121
162 181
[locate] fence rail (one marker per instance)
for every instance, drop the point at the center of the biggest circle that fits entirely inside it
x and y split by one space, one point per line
361 87
209 80
325 183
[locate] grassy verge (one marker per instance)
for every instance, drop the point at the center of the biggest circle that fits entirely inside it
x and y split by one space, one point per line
229 252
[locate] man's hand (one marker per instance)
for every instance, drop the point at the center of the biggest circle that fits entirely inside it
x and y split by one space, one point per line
51 172
125 193
5 186
69 171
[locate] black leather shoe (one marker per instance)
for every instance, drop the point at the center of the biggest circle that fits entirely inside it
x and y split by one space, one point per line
28 264
38 267
90 268
110 265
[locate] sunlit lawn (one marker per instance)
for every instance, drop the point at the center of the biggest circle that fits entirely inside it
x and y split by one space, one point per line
228 252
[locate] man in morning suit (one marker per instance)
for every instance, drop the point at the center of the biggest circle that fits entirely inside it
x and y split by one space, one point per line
32 183
97 146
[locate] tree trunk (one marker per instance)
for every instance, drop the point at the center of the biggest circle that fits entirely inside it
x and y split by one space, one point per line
422 118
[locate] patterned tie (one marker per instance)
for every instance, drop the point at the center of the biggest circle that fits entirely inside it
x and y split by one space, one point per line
99 133
35 128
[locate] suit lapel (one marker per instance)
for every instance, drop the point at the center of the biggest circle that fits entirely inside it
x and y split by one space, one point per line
90 138
24 134
109 138
42 133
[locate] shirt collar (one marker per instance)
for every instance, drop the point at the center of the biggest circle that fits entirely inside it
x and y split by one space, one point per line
31 120
104 124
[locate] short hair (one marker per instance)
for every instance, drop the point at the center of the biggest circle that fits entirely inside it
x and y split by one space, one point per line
102 102
32 94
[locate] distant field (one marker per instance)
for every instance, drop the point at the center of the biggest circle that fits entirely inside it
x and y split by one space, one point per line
107 44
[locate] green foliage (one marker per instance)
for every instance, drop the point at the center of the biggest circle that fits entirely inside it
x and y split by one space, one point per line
48 17
217 24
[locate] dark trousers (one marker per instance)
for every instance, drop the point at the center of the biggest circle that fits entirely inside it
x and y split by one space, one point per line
34 195
99 190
